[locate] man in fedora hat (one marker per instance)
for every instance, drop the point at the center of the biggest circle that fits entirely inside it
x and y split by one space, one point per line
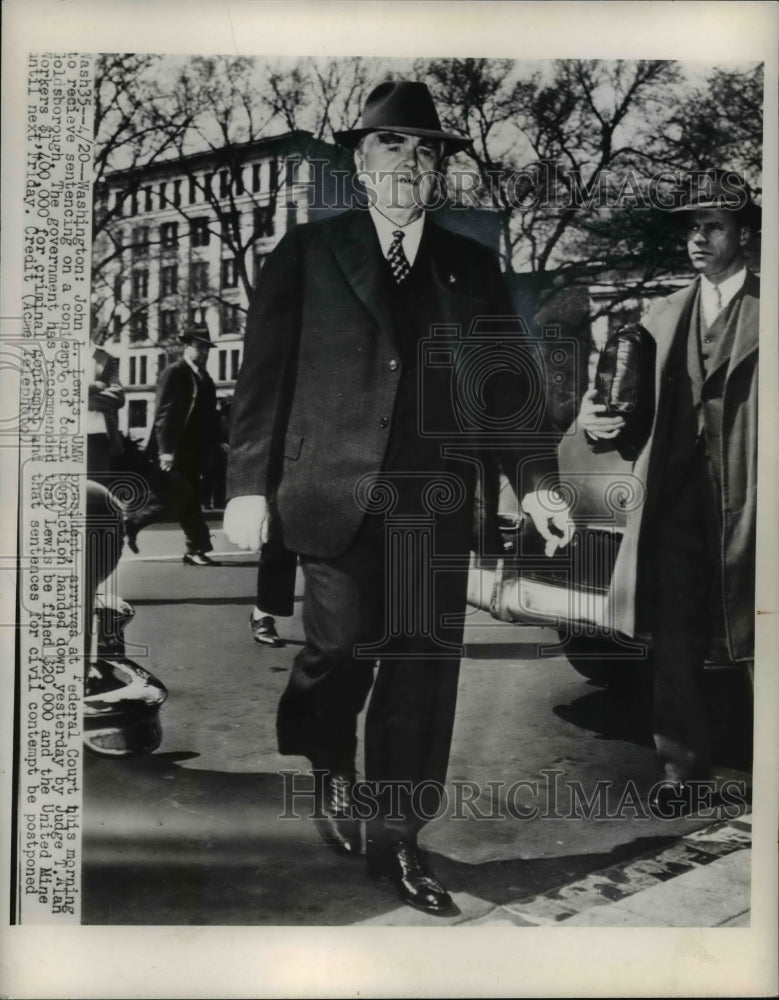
182 441
356 439
686 566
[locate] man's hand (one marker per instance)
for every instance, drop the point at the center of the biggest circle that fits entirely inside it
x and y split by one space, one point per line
246 522
594 423
166 462
548 508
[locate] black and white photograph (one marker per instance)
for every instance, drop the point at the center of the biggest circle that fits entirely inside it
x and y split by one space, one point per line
390 499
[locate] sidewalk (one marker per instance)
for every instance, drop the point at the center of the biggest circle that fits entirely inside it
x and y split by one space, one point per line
703 880
220 768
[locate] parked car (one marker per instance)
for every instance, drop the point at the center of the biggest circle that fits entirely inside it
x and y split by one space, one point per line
568 591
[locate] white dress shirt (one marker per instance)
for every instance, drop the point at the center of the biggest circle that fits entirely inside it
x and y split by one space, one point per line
712 304
412 233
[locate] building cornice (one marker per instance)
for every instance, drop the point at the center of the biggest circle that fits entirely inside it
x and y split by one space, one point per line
299 141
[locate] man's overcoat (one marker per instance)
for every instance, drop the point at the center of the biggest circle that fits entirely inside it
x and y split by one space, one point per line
313 407
736 420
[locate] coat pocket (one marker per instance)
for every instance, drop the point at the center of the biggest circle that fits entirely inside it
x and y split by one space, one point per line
293 443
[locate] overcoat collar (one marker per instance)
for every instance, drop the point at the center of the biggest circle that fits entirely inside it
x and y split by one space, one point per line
747 333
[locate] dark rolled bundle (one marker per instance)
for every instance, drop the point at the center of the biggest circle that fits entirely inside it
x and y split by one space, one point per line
624 383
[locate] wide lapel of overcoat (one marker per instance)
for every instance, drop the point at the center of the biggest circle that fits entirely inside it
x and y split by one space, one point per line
746 340
668 328
356 247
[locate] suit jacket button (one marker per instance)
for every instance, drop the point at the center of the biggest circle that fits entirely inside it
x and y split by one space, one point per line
384 422
393 365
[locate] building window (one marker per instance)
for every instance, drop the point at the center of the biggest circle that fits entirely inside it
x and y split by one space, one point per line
133 376
229 364
229 273
238 180
293 166
256 178
142 370
192 191
162 359
198 276
140 285
224 183
118 282
263 221
168 323
231 318
136 413
177 193
162 194
273 174
207 186
169 279
117 327
169 235
231 227
139 325
199 232
147 199
140 241
134 203
119 202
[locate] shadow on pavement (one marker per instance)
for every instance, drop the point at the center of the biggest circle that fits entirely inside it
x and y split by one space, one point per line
625 713
169 844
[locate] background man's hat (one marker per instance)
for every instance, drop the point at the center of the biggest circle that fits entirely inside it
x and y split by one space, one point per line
714 188
198 332
405 107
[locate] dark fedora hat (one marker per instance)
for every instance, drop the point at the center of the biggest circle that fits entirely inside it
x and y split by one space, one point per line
726 190
198 332
405 107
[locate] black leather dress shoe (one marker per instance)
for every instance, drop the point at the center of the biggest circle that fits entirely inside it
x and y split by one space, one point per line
400 863
131 535
264 630
198 559
333 815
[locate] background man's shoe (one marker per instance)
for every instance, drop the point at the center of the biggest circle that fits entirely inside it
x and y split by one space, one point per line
333 813
198 559
401 864
264 630
131 536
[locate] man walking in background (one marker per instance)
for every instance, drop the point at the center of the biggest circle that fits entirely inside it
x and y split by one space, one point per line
182 441
106 398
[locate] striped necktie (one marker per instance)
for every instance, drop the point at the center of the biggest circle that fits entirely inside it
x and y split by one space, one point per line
397 258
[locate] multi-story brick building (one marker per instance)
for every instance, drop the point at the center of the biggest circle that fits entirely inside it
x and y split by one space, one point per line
185 239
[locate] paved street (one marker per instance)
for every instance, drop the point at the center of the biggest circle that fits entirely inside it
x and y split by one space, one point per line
192 834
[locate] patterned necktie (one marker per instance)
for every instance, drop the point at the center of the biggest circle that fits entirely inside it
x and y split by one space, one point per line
397 258
718 299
